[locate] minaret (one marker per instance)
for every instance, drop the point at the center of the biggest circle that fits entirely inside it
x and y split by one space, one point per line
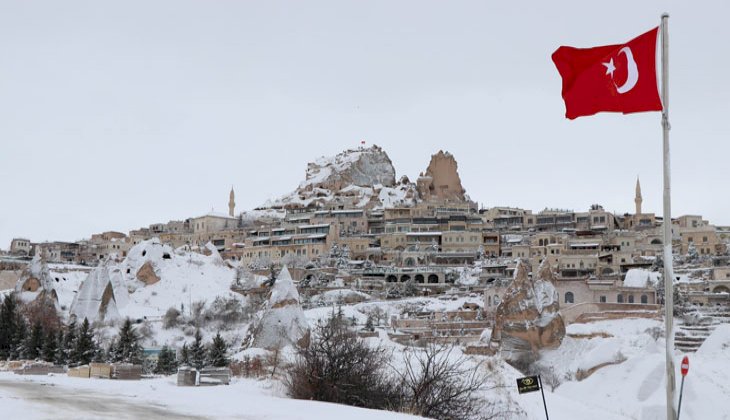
638 199
231 203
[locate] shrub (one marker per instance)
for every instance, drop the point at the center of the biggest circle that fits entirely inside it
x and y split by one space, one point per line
248 367
338 367
226 312
172 318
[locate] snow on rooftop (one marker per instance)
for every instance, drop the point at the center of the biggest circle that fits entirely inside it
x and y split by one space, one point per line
216 214
641 279
313 226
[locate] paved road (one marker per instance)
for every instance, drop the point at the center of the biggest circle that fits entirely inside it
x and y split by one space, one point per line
55 402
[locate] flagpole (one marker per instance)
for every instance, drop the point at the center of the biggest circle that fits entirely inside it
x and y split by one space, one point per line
668 272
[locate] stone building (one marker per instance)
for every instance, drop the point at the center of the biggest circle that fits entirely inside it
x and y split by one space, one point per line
20 247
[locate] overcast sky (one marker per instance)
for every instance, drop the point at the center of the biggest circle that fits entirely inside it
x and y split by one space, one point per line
115 115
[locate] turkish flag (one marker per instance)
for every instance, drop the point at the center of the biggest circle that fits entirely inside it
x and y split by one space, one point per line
612 78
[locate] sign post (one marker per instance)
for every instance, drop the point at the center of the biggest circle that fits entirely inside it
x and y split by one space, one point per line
684 367
531 384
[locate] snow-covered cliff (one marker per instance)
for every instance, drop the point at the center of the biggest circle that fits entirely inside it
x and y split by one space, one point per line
363 177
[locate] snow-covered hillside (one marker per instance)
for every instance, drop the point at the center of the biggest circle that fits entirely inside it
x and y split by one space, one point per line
152 279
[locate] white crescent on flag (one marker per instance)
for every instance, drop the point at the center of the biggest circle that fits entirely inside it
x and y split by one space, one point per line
632 71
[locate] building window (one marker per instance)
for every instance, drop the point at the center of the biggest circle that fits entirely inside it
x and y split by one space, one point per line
602 299
644 299
631 298
620 298
569 297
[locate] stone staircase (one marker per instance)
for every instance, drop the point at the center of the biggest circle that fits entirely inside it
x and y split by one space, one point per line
688 338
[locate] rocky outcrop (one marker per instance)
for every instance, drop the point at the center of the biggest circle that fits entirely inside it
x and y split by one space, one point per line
363 167
96 299
441 180
527 319
35 282
283 322
356 178
146 274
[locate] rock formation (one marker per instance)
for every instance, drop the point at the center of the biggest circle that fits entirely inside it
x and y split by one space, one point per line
363 167
283 322
151 279
527 319
96 298
362 177
441 180
35 282
146 274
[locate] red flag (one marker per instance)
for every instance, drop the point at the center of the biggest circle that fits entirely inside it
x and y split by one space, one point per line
613 78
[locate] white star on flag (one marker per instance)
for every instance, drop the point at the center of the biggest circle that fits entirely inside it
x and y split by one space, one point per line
609 67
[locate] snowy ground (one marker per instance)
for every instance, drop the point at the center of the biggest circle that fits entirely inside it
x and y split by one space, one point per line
61 397
636 388
631 388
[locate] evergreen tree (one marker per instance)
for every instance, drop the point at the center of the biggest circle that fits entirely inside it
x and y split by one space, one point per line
8 325
369 323
60 357
34 342
184 355
85 346
111 351
100 355
50 346
69 345
166 362
217 353
128 349
197 351
18 343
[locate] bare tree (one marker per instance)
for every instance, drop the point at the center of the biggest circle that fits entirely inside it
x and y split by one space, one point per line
274 359
437 383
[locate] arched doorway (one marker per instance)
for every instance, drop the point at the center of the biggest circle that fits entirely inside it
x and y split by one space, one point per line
391 279
404 278
569 298
419 278
433 278
721 289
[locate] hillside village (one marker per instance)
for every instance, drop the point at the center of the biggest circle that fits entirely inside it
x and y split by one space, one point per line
351 214
407 263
